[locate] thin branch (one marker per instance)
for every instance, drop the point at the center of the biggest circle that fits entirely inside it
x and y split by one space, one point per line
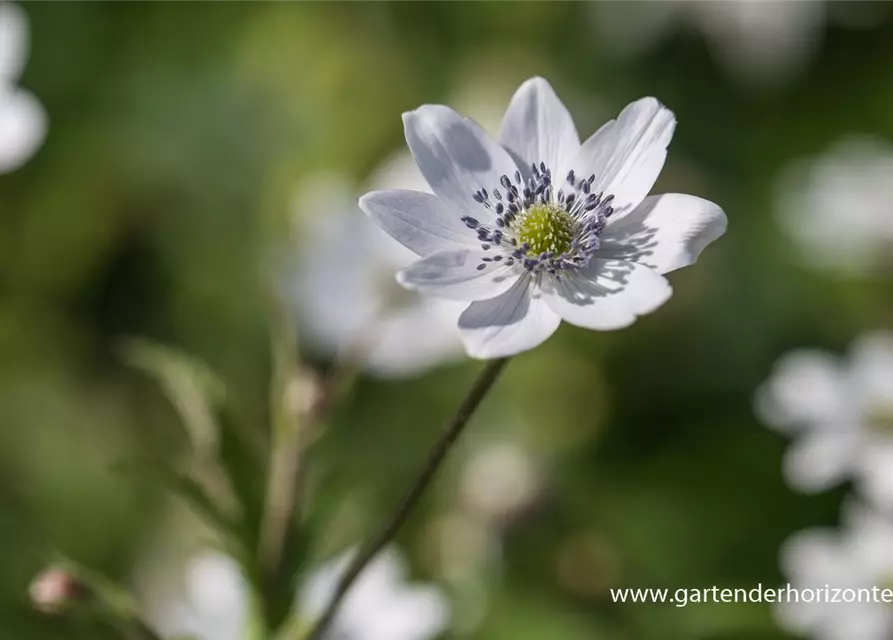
453 430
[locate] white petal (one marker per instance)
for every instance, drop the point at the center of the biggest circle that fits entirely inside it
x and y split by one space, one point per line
374 590
318 588
215 584
339 290
820 459
381 606
394 611
628 154
869 534
811 559
416 337
860 620
537 127
871 358
811 555
13 41
516 321
456 156
664 232
806 388
762 42
22 127
340 282
607 295
876 473
412 613
419 221
455 275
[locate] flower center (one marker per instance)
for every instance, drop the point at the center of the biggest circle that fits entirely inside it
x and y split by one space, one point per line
546 228
541 229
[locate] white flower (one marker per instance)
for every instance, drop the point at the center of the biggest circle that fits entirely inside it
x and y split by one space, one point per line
211 604
758 40
852 176
344 291
858 557
841 414
22 118
537 228
215 602
380 606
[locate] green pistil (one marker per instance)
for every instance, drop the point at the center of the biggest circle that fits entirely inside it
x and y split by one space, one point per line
546 227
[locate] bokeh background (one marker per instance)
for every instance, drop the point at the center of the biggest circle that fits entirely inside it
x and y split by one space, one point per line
162 201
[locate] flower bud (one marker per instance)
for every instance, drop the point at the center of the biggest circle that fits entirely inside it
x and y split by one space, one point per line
54 589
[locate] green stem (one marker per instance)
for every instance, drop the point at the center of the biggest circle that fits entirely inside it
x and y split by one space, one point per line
438 454
284 465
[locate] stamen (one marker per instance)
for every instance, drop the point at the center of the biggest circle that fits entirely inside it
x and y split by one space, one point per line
543 231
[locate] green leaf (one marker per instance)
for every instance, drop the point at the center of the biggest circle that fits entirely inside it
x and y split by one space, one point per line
242 460
223 520
190 385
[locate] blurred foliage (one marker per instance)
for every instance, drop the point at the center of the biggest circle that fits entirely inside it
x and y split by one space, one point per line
177 131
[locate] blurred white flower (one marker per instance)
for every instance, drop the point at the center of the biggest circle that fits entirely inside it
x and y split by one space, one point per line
211 603
757 40
499 480
528 253
22 118
860 556
214 602
381 606
344 289
840 414
839 205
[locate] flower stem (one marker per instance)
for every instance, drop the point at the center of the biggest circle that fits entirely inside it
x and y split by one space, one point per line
476 394
285 466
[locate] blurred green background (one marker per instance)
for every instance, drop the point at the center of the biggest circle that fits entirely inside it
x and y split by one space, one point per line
177 132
